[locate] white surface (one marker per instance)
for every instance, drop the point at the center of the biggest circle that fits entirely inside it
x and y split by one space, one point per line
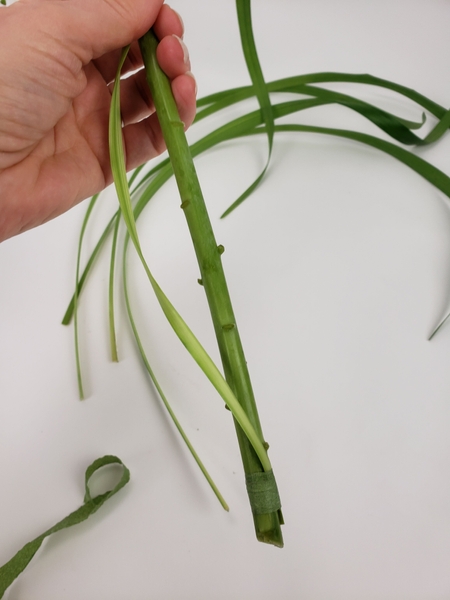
339 269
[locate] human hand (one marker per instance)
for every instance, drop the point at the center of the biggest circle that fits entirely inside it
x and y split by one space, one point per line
57 61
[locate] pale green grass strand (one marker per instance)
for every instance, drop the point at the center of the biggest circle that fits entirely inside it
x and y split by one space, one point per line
90 208
160 390
180 327
111 287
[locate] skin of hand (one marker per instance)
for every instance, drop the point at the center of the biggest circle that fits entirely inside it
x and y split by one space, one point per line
58 60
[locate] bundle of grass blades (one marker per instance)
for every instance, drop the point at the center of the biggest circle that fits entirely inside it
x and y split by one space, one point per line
144 184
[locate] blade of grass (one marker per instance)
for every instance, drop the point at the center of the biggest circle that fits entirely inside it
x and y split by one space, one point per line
68 315
259 85
240 94
117 163
111 286
291 83
75 297
439 326
158 387
428 171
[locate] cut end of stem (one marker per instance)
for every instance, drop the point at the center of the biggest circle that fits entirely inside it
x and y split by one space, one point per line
268 528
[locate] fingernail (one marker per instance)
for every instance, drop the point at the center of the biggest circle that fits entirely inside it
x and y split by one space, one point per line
185 50
190 74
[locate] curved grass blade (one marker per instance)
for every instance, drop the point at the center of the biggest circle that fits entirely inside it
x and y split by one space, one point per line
240 94
428 171
426 103
393 126
14 567
291 83
439 130
112 267
117 162
296 84
179 326
68 315
158 387
439 326
111 311
259 85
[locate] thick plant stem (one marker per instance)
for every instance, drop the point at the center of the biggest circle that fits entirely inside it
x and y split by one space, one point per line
262 490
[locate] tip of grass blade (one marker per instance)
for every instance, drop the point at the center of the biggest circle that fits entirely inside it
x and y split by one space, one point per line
441 324
433 334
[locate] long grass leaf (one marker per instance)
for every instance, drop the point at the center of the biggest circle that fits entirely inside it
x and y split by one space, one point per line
158 386
428 171
240 94
292 82
179 326
111 286
68 315
259 85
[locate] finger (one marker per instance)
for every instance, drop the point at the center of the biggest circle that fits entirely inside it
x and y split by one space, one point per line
144 140
184 89
173 56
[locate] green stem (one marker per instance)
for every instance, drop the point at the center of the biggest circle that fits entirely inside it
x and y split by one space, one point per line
261 486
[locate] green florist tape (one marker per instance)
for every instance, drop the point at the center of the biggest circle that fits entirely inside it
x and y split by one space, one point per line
14 567
263 492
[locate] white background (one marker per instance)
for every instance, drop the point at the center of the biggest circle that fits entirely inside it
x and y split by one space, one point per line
339 269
